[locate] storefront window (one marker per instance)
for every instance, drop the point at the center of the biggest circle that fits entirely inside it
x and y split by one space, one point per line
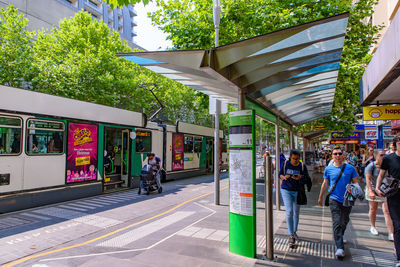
197 144
188 144
44 137
10 135
143 142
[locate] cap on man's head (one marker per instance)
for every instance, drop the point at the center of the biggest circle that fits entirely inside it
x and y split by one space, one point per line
150 154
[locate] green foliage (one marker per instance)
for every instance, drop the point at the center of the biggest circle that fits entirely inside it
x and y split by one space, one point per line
121 3
189 25
78 60
15 48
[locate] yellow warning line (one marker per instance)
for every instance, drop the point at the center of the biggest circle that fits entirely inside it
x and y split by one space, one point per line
106 235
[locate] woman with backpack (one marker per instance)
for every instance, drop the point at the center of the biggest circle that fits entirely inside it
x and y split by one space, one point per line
294 176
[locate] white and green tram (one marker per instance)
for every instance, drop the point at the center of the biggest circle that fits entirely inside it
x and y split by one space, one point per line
54 149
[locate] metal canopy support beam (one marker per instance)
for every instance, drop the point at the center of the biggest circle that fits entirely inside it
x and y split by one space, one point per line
216 153
277 164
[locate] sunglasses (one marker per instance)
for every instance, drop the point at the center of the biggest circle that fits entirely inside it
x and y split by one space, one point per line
337 154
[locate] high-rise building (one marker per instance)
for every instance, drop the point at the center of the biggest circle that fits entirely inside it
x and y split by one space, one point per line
46 13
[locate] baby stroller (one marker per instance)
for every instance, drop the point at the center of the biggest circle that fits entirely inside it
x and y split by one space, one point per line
150 180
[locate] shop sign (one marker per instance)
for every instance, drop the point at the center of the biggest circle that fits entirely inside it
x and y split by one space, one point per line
351 141
371 132
82 152
388 133
359 127
340 135
381 113
177 152
320 127
337 142
395 124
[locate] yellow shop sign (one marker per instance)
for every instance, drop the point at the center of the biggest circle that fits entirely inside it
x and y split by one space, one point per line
381 113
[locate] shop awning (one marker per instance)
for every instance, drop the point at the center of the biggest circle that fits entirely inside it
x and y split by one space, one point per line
291 72
381 80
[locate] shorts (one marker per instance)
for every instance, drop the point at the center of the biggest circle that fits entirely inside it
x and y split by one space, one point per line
377 198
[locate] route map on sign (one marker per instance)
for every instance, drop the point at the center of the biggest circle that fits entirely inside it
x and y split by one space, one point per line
240 182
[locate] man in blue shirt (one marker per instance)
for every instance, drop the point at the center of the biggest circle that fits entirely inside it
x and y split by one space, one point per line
340 214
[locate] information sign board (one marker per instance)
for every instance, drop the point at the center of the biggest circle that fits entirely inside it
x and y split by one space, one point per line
242 216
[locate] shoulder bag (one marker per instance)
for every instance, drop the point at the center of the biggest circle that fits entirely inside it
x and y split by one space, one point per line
389 186
334 185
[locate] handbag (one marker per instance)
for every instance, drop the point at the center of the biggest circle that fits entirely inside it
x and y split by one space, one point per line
301 196
334 185
389 186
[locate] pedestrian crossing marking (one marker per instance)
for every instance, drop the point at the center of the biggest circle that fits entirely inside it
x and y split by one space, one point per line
35 216
77 216
143 231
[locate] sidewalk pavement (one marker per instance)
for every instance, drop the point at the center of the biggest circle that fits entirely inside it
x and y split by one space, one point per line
205 241
316 247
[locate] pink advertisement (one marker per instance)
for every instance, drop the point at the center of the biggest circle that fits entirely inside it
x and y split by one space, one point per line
82 152
177 152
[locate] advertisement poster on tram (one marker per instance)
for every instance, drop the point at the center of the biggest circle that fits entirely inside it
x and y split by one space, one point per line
177 152
82 152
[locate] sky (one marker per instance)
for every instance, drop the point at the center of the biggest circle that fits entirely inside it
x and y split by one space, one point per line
148 36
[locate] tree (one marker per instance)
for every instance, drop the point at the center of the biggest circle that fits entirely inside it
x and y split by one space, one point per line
78 60
15 48
120 3
189 25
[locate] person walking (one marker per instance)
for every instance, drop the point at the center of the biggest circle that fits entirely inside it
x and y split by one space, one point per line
294 175
369 157
371 174
338 176
391 164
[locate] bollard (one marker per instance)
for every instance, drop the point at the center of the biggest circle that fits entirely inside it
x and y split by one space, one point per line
269 222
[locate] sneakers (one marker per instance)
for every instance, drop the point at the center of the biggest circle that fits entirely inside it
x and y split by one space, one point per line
398 263
390 237
296 238
292 240
373 230
340 253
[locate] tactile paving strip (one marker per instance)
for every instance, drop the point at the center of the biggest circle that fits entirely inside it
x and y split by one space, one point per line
304 247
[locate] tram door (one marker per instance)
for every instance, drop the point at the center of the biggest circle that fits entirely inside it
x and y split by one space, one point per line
125 155
210 153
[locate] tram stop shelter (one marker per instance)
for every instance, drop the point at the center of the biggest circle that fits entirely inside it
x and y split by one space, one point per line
288 77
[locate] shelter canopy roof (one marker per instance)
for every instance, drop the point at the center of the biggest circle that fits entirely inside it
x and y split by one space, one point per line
291 72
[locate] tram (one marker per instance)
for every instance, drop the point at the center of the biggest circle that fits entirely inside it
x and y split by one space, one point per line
55 149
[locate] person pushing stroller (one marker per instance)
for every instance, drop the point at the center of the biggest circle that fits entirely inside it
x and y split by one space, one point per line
150 175
155 164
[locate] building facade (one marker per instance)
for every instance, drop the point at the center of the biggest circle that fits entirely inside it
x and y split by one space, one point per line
46 13
380 84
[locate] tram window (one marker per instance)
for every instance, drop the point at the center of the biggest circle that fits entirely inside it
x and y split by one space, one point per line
10 135
197 144
44 137
143 142
188 148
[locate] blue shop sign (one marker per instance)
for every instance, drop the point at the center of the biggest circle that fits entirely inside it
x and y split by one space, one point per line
340 135
359 127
